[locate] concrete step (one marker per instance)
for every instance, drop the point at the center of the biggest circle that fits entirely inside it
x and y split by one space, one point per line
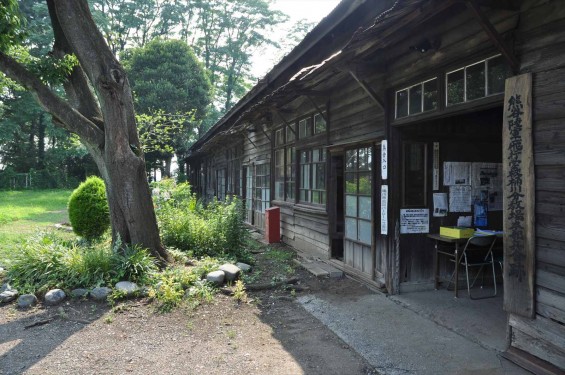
319 268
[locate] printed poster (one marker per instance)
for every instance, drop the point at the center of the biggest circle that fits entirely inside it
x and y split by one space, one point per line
440 204
486 179
460 198
414 220
456 173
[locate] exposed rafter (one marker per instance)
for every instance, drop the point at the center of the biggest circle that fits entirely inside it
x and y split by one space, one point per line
372 94
495 37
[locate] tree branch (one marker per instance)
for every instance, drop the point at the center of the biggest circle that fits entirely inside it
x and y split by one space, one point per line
76 86
66 115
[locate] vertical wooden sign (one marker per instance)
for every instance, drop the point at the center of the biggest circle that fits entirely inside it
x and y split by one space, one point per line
519 194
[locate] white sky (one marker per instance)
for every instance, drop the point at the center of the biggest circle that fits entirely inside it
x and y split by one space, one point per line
311 10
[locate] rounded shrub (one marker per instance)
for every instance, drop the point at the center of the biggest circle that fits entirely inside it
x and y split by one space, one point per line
88 209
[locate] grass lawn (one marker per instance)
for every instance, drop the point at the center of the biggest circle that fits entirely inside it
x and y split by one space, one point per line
24 212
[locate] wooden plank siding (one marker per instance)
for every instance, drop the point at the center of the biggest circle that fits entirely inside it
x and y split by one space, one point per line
541 49
536 34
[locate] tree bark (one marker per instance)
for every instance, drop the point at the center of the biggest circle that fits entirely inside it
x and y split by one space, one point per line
112 140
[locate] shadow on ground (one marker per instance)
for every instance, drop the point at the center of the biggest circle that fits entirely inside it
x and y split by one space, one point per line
28 339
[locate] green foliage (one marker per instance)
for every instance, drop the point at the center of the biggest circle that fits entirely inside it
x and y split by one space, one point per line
177 284
166 75
214 230
10 24
48 261
88 209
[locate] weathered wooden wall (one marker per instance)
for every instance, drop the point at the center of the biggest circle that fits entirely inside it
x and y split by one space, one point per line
541 49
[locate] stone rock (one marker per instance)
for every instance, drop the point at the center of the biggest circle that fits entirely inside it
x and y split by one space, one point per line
216 277
127 288
5 287
100 293
79 293
244 267
26 301
1 270
54 296
231 271
8 295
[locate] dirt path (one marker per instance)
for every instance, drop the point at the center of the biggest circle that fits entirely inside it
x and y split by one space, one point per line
271 334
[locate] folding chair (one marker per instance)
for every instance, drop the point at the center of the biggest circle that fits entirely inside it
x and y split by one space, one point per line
477 253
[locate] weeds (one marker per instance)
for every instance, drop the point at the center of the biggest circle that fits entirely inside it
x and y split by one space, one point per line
239 293
47 261
214 230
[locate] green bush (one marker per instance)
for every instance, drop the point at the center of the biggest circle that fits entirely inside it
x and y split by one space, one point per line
215 230
47 261
88 209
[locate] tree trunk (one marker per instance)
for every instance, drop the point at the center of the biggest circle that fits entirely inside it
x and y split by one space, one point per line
104 120
41 141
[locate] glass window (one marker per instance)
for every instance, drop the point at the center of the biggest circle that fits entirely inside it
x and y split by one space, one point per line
313 176
279 174
262 187
430 95
279 137
319 123
455 87
478 81
498 71
291 132
305 128
475 81
290 173
402 103
358 195
415 99
221 184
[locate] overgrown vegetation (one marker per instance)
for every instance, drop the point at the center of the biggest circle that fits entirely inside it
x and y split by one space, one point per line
214 230
48 261
199 237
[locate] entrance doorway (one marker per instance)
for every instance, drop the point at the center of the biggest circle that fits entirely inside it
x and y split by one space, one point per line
352 211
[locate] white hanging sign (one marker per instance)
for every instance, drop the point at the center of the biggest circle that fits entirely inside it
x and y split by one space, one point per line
384 158
384 209
414 220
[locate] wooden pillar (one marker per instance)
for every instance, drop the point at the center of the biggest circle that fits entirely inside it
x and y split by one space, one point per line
519 197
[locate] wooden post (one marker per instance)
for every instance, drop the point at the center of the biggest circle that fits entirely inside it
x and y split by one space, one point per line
519 197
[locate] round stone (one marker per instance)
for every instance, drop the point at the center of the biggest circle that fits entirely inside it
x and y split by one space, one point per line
26 301
54 297
231 271
127 288
100 293
216 277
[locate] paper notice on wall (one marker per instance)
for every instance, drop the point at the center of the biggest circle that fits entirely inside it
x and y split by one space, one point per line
460 198
440 204
456 173
414 220
435 175
384 209
486 180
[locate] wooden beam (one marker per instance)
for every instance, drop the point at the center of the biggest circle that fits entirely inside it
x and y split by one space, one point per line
249 139
318 109
286 123
266 135
493 35
372 94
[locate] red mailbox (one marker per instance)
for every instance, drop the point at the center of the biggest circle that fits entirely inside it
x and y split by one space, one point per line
273 225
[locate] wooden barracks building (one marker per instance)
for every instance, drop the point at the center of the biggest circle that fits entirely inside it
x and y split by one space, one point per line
393 118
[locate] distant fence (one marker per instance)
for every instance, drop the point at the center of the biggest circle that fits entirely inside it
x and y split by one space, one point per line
36 179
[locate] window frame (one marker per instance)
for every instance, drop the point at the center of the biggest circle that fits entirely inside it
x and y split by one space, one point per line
310 165
357 172
407 89
487 94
